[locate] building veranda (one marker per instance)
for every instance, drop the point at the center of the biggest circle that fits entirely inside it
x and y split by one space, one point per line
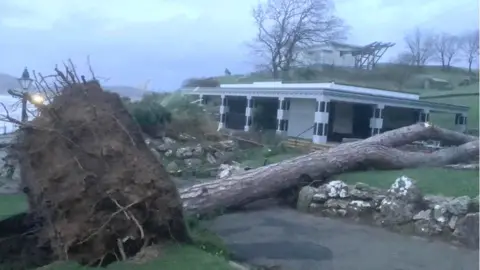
322 112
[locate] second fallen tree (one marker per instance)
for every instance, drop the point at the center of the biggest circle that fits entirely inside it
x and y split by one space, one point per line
376 152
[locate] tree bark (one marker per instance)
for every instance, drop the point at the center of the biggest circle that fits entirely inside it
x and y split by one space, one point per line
375 152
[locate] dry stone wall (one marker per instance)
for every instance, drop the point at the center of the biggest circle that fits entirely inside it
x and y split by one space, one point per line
402 207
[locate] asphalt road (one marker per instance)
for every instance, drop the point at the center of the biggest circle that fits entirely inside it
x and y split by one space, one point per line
298 241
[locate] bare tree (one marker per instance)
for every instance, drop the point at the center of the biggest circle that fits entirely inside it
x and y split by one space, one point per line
286 28
446 49
469 47
420 46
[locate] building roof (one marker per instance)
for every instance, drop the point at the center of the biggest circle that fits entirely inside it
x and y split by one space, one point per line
278 85
346 46
345 93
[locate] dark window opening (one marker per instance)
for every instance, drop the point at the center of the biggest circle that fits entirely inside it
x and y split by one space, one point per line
322 106
320 129
249 103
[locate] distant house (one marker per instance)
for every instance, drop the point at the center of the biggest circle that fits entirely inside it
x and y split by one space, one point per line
332 54
345 55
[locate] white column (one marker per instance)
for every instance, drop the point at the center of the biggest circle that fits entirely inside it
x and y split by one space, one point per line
376 121
461 122
282 116
424 116
223 112
320 130
248 114
203 100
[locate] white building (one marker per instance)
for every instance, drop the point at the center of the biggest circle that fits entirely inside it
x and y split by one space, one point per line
324 111
333 54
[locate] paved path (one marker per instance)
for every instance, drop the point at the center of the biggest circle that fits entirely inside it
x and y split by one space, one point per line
297 241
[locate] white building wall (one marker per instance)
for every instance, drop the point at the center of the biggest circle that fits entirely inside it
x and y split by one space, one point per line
301 117
328 55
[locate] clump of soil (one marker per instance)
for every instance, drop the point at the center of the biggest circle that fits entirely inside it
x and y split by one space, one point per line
89 176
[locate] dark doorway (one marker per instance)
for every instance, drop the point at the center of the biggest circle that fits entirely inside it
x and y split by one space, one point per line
236 112
265 113
332 136
361 120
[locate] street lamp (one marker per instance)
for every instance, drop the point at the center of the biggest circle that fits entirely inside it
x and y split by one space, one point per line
25 83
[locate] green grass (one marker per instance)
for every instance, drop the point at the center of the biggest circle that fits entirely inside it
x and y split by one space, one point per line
375 78
12 204
471 89
448 120
437 181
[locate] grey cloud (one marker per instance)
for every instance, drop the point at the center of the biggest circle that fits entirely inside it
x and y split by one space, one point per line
168 52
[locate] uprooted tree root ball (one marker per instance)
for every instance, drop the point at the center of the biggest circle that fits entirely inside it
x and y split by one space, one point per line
89 176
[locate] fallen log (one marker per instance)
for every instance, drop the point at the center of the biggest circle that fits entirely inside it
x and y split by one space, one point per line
417 132
375 152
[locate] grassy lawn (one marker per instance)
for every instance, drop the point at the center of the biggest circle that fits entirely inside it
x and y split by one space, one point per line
448 120
471 89
438 181
11 205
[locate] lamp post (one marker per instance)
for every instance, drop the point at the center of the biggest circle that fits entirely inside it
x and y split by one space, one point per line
25 83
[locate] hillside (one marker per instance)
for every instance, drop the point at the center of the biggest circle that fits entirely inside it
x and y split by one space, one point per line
11 82
385 76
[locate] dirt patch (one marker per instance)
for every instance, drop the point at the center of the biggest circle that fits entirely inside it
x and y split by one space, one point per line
89 176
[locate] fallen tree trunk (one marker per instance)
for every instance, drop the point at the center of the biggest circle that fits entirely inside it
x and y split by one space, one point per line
375 152
417 132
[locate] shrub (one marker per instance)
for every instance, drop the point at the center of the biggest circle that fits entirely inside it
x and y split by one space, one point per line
150 114
171 114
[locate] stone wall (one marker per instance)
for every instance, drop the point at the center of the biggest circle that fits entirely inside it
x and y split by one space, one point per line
9 175
402 208
191 158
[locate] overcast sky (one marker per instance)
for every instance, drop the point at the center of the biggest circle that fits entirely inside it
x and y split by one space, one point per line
167 41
